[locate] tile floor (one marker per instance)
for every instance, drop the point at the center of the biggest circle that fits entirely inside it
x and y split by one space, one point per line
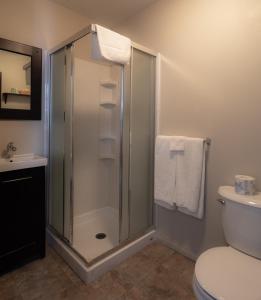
156 272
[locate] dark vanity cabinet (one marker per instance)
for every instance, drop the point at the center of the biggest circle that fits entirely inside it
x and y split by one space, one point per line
22 217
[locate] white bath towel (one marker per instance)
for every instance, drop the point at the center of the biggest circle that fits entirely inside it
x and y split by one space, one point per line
190 178
165 168
180 174
109 45
200 211
177 144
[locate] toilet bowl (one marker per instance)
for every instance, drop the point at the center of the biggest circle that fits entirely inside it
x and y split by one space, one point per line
233 272
226 273
200 293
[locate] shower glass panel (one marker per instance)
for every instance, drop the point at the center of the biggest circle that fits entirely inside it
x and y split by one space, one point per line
57 134
142 137
60 143
96 147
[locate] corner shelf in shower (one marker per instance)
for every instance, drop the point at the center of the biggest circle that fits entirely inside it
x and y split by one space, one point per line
110 84
108 103
108 94
107 138
107 98
107 157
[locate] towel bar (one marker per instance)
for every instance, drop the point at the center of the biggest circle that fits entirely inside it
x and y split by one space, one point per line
207 141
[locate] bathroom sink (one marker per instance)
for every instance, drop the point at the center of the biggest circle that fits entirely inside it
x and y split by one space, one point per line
24 161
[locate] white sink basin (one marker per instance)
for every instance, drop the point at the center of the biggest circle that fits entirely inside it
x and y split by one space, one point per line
25 161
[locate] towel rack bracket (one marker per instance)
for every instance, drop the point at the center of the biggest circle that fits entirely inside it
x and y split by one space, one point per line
208 141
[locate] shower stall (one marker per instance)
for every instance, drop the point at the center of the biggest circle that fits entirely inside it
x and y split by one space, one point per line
101 151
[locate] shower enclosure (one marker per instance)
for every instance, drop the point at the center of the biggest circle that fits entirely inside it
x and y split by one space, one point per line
101 148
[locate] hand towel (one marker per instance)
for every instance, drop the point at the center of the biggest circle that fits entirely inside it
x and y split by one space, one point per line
190 176
165 165
177 144
200 211
109 45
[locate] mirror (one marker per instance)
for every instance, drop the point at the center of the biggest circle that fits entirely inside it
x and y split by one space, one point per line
20 81
15 80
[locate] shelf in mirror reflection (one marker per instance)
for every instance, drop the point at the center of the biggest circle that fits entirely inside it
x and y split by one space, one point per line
6 95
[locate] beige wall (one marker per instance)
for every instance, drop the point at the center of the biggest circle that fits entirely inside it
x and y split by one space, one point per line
211 73
42 24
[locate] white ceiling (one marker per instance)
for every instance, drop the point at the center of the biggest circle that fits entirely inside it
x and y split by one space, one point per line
106 12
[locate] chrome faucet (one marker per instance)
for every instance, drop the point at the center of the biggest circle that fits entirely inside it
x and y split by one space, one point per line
9 151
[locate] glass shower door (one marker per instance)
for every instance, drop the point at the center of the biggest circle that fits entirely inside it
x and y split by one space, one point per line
60 143
138 145
57 134
96 144
142 137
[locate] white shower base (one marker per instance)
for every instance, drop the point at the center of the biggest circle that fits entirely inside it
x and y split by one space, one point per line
86 226
89 273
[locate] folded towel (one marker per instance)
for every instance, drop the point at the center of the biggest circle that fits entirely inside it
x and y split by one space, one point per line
177 144
190 177
109 45
165 204
200 211
180 174
165 166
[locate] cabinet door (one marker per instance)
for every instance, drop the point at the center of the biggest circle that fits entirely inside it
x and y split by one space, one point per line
21 214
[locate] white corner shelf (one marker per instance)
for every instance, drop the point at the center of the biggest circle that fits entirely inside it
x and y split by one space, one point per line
110 84
107 103
107 157
107 138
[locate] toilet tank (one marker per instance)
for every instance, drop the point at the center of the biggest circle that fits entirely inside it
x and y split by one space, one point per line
241 218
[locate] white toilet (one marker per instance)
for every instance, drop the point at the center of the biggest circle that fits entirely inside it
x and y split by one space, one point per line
233 272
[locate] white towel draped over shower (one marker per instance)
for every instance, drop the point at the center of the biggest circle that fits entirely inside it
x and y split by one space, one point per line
180 174
111 46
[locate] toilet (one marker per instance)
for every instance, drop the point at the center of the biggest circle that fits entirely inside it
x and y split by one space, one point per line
233 272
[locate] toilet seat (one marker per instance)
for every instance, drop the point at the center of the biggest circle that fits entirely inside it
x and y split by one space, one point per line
228 274
199 292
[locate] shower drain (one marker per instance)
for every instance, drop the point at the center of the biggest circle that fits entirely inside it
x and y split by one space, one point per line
100 236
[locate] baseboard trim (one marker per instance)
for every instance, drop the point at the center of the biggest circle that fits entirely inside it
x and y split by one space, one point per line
171 244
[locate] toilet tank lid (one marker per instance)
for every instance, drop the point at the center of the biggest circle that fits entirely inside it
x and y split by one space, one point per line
228 192
228 274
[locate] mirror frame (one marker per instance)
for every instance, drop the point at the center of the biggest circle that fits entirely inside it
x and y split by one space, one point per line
36 82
